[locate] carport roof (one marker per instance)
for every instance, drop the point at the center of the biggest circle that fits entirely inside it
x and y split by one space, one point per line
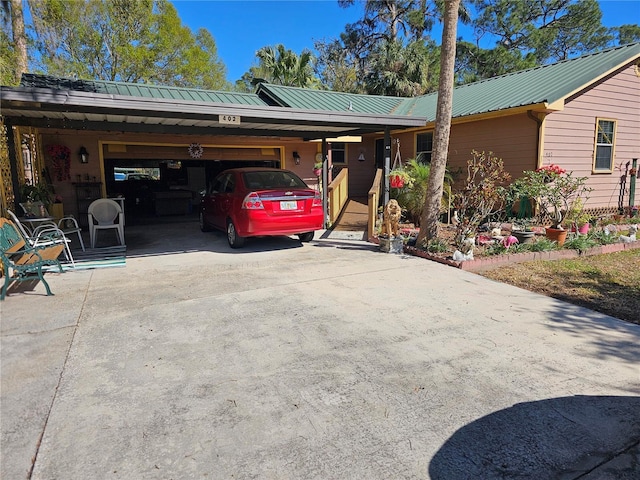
44 101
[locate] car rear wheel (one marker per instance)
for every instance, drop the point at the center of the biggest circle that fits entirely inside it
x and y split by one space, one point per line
305 237
204 226
235 241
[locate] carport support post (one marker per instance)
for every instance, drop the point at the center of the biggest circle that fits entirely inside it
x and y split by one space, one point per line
387 163
13 164
325 179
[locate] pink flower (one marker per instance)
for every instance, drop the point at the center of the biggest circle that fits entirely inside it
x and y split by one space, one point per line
552 168
508 241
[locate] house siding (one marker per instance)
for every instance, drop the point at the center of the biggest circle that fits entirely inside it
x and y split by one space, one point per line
569 135
512 138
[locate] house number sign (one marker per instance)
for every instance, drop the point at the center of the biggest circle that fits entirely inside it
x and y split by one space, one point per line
229 119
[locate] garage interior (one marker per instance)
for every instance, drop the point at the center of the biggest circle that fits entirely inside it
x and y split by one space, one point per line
156 188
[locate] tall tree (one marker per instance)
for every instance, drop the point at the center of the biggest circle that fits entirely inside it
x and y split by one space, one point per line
337 67
384 52
405 71
13 42
124 40
551 30
627 33
429 221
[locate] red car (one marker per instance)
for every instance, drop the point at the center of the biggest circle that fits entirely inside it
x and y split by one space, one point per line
252 202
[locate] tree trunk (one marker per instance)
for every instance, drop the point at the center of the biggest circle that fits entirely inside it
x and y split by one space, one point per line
431 212
19 38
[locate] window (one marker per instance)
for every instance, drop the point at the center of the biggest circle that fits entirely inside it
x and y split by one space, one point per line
424 146
338 153
605 141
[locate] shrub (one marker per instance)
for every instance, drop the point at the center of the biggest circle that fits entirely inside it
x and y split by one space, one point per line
480 195
413 194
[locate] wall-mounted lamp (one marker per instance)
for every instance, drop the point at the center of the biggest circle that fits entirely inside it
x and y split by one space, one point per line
361 157
296 158
84 155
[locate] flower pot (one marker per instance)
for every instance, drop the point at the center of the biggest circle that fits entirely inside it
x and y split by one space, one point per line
582 229
396 181
556 234
317 172
523 236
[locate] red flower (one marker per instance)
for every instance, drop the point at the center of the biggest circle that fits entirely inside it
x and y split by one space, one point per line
552 168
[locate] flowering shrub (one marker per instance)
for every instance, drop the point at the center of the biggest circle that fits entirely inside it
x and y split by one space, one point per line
553 189
551 168
61 161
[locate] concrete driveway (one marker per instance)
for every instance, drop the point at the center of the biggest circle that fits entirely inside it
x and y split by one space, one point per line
328 360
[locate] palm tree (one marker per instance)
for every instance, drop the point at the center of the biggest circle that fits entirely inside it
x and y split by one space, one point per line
284 67
429 222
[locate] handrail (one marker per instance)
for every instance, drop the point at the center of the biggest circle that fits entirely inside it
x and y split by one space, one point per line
338 194
373 200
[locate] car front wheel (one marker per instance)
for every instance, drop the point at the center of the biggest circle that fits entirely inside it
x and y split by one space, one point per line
235 241
305 237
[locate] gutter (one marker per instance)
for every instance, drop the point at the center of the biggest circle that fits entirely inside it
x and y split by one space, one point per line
539 138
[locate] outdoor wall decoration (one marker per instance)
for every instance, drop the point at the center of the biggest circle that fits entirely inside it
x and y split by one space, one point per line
195 150
61 161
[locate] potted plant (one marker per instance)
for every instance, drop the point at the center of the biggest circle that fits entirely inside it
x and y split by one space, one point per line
555 191
399 177
40 192
317 169
578 218
522 230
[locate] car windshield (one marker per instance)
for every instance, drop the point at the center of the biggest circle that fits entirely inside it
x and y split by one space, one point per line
268 180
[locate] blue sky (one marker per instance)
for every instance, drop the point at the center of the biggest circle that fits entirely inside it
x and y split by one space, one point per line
241 27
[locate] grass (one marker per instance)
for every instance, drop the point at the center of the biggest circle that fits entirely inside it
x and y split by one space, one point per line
608 283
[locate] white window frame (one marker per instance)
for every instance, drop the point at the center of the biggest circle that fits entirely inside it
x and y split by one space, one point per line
611 145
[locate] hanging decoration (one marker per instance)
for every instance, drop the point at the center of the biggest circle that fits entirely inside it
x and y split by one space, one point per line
195 150
398 176
61 161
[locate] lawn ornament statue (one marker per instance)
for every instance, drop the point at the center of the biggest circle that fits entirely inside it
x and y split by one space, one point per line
391 219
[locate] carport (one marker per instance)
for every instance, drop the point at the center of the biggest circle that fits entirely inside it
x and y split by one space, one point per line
104 118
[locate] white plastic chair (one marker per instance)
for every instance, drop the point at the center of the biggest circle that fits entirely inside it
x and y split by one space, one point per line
104 214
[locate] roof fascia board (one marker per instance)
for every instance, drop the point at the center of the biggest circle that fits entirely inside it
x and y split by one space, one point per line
157 107
537 107
174 129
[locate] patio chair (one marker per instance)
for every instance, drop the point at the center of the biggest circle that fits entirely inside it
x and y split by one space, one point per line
104 214
68 223
22 263
44 235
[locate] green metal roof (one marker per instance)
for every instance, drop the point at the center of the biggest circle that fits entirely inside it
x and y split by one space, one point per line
541 85
326 100
140 90
545 84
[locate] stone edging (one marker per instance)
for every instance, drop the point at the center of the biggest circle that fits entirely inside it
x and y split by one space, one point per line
486 263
